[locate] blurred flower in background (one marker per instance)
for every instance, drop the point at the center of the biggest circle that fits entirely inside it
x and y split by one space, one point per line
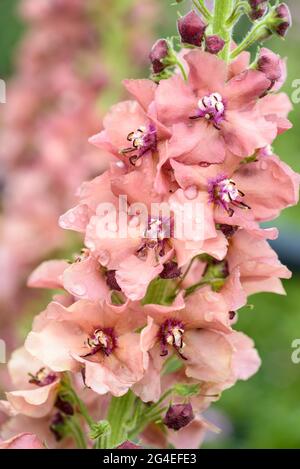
53 105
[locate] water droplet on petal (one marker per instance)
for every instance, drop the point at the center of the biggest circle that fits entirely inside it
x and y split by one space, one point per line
78 290
191 192
104 258
263 165
71 217
90 245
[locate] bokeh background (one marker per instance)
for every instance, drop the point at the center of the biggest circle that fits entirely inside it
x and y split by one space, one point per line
265 411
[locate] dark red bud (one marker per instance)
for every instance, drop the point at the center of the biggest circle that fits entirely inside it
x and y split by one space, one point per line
228 230
128 445
283 13
255 3
159 52
171 270
258 13
270 64
111 280
179 416
191 29
64 406
214 44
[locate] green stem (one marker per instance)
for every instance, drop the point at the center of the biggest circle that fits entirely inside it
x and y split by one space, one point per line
201 7
249 40
70 394
75 430
118 415
222 11
240 9
181 68
195 287
185 273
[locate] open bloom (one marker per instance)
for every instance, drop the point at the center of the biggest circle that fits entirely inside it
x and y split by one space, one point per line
37 385
96 337
198 332
211 114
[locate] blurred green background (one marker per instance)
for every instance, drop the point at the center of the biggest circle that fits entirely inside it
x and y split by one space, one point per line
265 411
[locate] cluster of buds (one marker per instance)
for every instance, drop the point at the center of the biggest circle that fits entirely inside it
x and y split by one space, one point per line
192 29
278 21
258 9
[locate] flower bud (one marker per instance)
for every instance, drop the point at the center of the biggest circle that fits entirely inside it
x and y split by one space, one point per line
214 44
171 270
179 416
256 3
128 445
272 66
258 13
191 29
159 52
283 14
111 280
64 406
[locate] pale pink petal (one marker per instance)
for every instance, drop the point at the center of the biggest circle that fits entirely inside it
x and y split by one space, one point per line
134 276
22 441
207 72
142 90
245 132
245 89
48 275
174 110
84 280
208 354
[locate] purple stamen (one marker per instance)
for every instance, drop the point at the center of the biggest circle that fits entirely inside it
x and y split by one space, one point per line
144 139
102 340
42 378
224 193
211 108
171 334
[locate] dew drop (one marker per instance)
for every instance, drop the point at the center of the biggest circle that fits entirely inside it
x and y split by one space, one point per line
191 192
104 258
78 290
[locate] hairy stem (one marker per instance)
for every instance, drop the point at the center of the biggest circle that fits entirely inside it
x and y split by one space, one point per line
222 12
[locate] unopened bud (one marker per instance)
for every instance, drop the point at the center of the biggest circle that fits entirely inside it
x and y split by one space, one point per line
159 52
128 445
179 416
272 66
214 44
283 14
171 270
191 29
111 280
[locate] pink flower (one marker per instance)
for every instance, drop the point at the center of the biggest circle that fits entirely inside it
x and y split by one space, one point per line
198 332
238 191
37 386
226 113
95 336
82 279
22 441
260 269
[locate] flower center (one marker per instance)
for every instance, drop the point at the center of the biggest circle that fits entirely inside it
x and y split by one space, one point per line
211 108
143 139
42 378
157 232
171 334
103 340
224 192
